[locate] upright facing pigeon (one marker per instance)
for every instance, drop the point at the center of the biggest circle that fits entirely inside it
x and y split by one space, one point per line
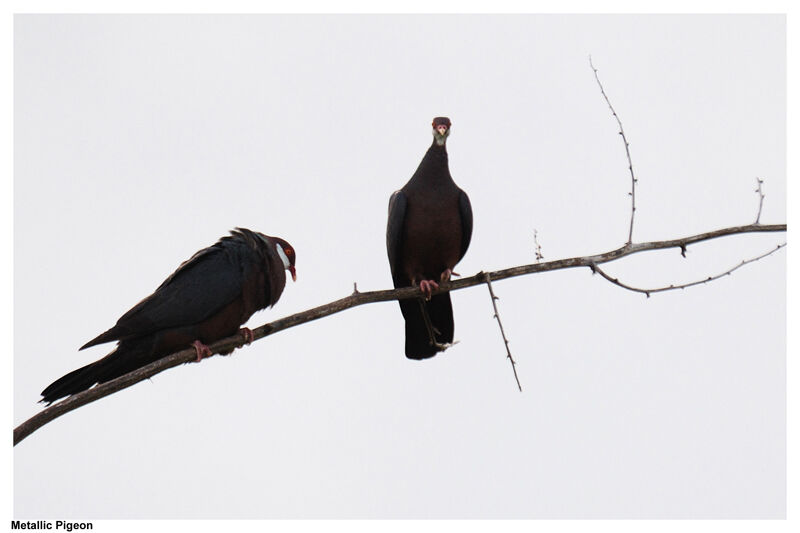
429 229
206 299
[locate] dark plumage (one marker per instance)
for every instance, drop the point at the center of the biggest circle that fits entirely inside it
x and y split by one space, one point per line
206 299
428 232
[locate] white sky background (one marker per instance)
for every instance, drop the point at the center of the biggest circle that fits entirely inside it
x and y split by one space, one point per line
141 139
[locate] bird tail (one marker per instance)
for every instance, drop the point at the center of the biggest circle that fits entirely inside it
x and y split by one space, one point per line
122 360
107 336
440 311
74 382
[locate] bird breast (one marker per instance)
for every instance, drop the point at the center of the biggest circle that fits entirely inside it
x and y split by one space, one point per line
432 239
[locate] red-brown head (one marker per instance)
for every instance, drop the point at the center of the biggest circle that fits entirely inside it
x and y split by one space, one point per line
441 129
287 255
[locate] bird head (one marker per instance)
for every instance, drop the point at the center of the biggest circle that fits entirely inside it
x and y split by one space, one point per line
287 255
441 129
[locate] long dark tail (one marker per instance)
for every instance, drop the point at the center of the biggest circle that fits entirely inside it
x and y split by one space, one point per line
126 357
440 311
74 382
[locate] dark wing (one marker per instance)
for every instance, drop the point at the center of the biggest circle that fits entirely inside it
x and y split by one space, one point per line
394 234
465 210
201 286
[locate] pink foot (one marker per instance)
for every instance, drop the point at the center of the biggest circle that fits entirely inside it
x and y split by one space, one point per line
427 286
445 276
202 350
247 333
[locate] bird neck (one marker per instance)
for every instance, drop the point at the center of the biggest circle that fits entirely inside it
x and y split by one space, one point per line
434 165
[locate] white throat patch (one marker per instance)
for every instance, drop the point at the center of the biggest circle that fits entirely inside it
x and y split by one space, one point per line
440 139
282 255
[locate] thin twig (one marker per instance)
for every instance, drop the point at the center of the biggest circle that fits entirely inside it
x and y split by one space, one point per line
502 331
627 151
538 246
647 292
362 298
760 200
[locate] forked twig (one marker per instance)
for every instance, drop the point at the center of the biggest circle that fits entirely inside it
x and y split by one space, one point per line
647 292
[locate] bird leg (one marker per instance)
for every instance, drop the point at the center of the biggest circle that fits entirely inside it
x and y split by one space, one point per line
432 331
247 333
445 276
427 286
202 350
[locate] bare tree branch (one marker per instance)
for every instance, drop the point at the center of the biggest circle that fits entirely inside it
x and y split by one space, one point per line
647 292
627 150
361 298
502 331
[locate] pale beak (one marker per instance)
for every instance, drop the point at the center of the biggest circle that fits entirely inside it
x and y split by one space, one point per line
441 129
292 271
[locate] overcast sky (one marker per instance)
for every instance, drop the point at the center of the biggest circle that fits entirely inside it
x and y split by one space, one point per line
142 139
